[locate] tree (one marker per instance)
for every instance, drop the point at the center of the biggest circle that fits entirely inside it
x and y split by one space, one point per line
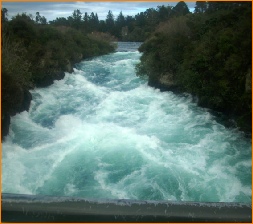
200 7
43 20
86 23
215 6
102 26
76 18
109 19
4 15
140 19
110 22
40 19
119 24
163 12
22 26
129 20
60 21
151 17
77 15
120 21
180 9
86 18
93 21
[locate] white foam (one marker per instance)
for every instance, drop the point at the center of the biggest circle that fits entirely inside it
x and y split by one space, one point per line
125 138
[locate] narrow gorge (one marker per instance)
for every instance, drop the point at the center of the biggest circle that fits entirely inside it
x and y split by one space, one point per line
102 132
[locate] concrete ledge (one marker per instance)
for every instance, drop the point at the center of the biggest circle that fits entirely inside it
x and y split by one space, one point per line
37 208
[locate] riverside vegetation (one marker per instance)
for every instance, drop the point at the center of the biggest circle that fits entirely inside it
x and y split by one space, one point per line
34 54
206 53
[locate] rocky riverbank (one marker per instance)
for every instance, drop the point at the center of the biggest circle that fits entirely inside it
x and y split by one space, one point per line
205 54
34 55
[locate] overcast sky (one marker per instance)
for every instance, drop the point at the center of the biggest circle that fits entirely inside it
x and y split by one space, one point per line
51 10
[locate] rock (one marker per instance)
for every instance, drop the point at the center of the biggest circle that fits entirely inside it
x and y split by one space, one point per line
48 79
164 83
16 99
248 82
6 120
167 80
12 96
26 100
58 75
69 67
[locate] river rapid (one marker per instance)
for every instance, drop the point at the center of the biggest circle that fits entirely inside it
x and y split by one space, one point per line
102 132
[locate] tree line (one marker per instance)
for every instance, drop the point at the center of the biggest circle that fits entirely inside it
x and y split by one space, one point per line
124 28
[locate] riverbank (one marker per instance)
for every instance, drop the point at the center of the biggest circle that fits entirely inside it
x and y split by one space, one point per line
224 118
208 55
34 55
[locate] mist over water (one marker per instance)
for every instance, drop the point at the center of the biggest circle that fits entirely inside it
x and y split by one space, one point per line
102 132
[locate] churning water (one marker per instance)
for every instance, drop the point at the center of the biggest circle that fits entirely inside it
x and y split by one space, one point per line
102 132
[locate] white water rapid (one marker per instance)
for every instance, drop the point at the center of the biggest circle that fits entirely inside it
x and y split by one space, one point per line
102 132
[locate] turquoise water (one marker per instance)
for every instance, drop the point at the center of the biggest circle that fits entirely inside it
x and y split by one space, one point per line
102 132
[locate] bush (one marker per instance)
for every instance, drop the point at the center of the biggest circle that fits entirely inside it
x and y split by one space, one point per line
208 55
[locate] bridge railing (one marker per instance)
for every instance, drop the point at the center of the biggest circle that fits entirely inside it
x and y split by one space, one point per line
37 208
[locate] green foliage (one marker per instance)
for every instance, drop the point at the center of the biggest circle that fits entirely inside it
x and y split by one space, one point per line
208 54
14 62
200 7
126 28
163 53
15 74
180 9
4 15
35 53
40 19
24 28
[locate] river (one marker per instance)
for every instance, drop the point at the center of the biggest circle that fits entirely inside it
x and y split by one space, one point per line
102 132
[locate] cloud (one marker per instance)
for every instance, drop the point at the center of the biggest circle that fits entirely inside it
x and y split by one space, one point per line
51 10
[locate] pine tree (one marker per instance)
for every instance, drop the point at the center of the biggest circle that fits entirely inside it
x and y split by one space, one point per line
180 9
110 22
200 7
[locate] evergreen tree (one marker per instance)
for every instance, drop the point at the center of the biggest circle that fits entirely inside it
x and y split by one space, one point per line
119 25
86 23
180 9
110 22
109 19
151 17
43 20
93 21
38 17
140 19
76 19
60 21
4 15
129 21
164 12
201 7
120 21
